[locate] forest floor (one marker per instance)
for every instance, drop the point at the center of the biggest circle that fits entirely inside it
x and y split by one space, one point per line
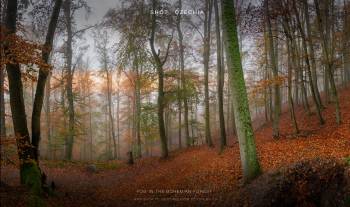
189 176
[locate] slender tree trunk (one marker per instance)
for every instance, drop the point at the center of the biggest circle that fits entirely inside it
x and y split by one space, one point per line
182 73
159 65
329 59
220 78
69 84
267 92
43 73
290 98
180 112
250 163
161 112
2 77
296 80
308 67
110 111
63 108
274 66
346 41
312 54
206 56
300 74
118 118
2 102
90 125
48 115
138 111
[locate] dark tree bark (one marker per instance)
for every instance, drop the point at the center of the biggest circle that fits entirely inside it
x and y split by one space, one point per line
69 84
159 65
2 102
138 108
308 67
110 111
43 73
2 77
312 53
118 118
327 51
206 56
290 98
30 174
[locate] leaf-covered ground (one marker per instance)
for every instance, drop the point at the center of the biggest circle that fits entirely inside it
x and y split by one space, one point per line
189 176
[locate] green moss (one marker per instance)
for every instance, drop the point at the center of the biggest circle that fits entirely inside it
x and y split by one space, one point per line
347 201
31 177
347 160
250 163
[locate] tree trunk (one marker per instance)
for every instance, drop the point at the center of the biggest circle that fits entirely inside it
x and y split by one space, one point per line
274 66
220 78
290 98
69 86
159 65
48 115
308 67
43 73
138 110
110 111
312 54
118 112
2 102
161 112
206 56
300 75
250 163
180 111
329 59
30 174
90 125
346 42
182 73
2 78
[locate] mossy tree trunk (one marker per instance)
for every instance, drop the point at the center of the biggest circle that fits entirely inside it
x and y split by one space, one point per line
30 174
250 163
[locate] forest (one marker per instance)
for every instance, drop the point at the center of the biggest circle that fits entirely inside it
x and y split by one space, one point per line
175 103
